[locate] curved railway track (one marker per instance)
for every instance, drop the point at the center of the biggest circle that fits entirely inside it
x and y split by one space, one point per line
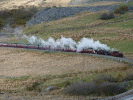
29 46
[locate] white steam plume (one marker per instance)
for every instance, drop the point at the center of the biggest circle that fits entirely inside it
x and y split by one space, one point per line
18 32
90 43
62 43
84 43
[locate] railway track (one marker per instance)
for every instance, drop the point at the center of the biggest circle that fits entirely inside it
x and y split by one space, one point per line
32 47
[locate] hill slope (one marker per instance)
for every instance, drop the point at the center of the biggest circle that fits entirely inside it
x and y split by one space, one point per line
49 14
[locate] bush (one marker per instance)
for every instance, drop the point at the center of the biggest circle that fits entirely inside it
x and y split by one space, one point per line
84 88
128 77
20 15
20 22
24 14
64 84
103 78
33 87
108 88
32 9
106 16
1 23
54 7
4 14
121 9
81 88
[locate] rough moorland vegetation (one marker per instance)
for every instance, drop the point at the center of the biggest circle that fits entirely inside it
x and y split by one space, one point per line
121 9
17 16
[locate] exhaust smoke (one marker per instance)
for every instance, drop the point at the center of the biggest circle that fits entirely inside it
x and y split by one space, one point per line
62 43
65 43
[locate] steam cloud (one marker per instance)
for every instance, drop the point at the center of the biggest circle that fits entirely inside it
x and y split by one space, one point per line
17 32
61 43
67 42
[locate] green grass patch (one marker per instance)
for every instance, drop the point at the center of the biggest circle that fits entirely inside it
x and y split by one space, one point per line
24 41
80 22
85 78
124 24
35 87
43 30
124 46
21 78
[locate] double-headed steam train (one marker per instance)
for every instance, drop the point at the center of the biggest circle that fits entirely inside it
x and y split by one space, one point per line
88 50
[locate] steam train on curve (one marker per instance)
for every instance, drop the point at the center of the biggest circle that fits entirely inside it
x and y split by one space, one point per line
88 50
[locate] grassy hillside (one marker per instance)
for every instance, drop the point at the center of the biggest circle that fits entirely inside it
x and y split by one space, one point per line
27 73
118 34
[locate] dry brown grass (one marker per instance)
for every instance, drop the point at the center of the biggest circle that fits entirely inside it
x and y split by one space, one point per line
100 3
6 38
10 4
129 55
22 63
42 96
121 34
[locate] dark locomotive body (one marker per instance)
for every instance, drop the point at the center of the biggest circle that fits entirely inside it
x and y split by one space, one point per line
102 52
116 54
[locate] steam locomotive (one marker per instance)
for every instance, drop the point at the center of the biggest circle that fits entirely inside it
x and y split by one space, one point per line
88 50
103 52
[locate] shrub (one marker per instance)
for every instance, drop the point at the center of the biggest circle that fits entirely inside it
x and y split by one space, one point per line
32 9
121 9
4 14
48 7
1 23
33 87
63 16
128 77
64 84
108 88
54 7
21 16
103 78
106 16
81 88
84 88
20 22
